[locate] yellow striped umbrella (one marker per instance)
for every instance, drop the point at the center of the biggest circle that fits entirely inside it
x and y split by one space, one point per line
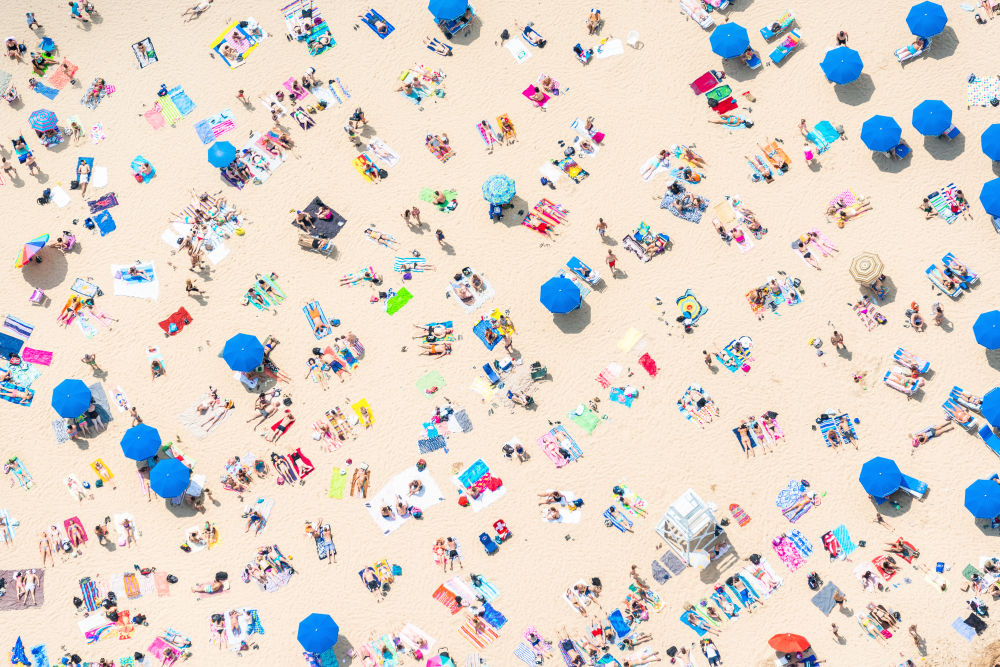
866 267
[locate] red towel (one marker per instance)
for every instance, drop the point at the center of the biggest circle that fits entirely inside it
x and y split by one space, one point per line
725 105
831 544
648 364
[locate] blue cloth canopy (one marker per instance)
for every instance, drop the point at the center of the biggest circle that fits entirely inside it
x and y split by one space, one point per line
990 409
560 295
990 141
447 10
880 477
989 197
729 40
982 499
243 352
221 153
71 398
169 478
842 65
140 442
43 120
881 133
931 117
318 632
499 189
987 330
926 19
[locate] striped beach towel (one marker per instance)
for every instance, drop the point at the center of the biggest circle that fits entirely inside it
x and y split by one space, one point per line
804 546
17 327
447 598
524 653
90 595
486 635
404 264
844 538
131 587
942 205
169 110
486 589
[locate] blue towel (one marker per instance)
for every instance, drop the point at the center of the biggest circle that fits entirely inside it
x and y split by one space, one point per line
789 495
961 627
40 656
492 616
844 538
618 624
9 345
17 655
824 599
701 632
619 396
204 130
480 331
431 444
524 653
369 20
42 89
801 543
255 625
181 99
473 473
105 223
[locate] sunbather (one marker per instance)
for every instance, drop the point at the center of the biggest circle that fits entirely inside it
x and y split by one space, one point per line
807 255
924 436
552 514
141 274
959 414
537 96
928 210
573 654
14 391
436 350
693 619
197 10
760 435
371 581
846 431
976 401
437 46
908 383
281 426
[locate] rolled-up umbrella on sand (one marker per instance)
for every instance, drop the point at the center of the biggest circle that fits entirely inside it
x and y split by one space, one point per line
866 267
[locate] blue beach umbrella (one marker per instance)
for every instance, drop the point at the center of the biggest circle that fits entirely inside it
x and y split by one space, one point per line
982 499
71 398
926 19
499 189
880 477
140 442
989 197
881 133
729 40
447 9
243 352
931 117
169 478
990 141
990 409
318 633
560 295
842 65
987 330
43 120
221 153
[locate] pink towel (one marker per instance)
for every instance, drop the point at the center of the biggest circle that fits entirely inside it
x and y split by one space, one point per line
162 585
33 356
110 88
291 91
530 90
787 553
154 117
59 77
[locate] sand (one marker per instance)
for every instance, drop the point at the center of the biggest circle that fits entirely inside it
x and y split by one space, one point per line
642 102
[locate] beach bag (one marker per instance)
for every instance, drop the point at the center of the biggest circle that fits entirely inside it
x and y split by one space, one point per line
171 579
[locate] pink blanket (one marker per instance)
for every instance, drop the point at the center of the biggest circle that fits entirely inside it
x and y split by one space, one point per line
787 553
154 117
33 356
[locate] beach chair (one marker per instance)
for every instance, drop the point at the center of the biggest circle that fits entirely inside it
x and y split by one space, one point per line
578 268
922 366
900 152
772 30
755 62
787 46
451 27
538 371
934 275
951 405
951 133
697 12
990 438
954 395
913 486
908 391
488 544
908 52
971 278
491 374
503 532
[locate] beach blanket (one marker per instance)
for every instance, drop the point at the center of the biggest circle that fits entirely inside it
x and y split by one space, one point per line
48 92
588 420
135 286
398 485
383 153
518 48
144 52
844 538
982 89
824 598
213 127
105 201
17 326
193 419
237 42
61 75
691 214
787 553
9 602
394 303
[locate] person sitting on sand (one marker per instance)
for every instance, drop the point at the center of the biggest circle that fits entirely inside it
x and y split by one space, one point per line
928 210
924 436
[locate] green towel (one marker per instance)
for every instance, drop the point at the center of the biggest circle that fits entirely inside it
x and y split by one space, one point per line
427 195
394 303
432 379
969 571
170 112
588 421
337 485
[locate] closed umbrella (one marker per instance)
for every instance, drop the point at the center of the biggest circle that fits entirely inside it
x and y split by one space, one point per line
243 352
447 9
866 267
881 133
221 153
931 117
880 477
43 120
926 19
169 478
499 189
987 330
71 398
729 40
989 197
842 65
140 442
560 295
990 409
990 141
318 632
786 642
982 499
30 249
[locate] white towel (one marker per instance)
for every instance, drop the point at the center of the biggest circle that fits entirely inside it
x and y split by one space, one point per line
518 48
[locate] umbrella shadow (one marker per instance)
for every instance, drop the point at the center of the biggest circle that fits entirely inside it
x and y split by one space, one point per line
890 165
995 166
574 322
993 359
942 149
50 273
944 44
857 92
735 69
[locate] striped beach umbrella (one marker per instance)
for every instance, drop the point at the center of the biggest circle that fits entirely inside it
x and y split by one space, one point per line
29 250
866 267
43 120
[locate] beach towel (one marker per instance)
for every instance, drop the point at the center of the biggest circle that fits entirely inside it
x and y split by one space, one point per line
394 303
181 100
648 364
673 563
844 539
213 127
40 656
17 326
588 420
787 553
370 18
824 598
982 89
60 76
518 48
317 320
48 92
105 223
383 153
660 573
104 202
739 515
965 630
691 214
803 545
146 56
524 653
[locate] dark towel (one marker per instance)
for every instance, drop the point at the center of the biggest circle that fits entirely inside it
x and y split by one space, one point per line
976 623
430 444
673 563
824 599
660 574
324 229
462 417
10 602
101 401
104 202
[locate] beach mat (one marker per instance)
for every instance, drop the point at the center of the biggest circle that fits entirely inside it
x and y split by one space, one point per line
10 602
673 563
338 482
824 599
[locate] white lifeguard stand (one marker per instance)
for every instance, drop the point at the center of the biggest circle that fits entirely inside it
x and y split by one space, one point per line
689 527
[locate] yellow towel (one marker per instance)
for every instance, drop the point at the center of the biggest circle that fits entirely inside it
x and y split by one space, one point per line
102 470
632 336
357 407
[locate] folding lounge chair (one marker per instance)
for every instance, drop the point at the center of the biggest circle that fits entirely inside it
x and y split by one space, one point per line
901 151
783 24
488 544
577 266
908 52
950 404
954 395
922 366
913 486
951 133
990 438
696 11
755 62
619 624
908 391
491 374
787 45
934 275
971 277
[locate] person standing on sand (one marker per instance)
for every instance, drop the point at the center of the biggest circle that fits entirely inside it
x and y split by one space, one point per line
837 340
602 228
611 262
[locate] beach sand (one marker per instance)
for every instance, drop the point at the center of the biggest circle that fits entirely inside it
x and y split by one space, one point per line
642 102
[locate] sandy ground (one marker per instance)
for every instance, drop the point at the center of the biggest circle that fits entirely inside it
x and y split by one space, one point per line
642 102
